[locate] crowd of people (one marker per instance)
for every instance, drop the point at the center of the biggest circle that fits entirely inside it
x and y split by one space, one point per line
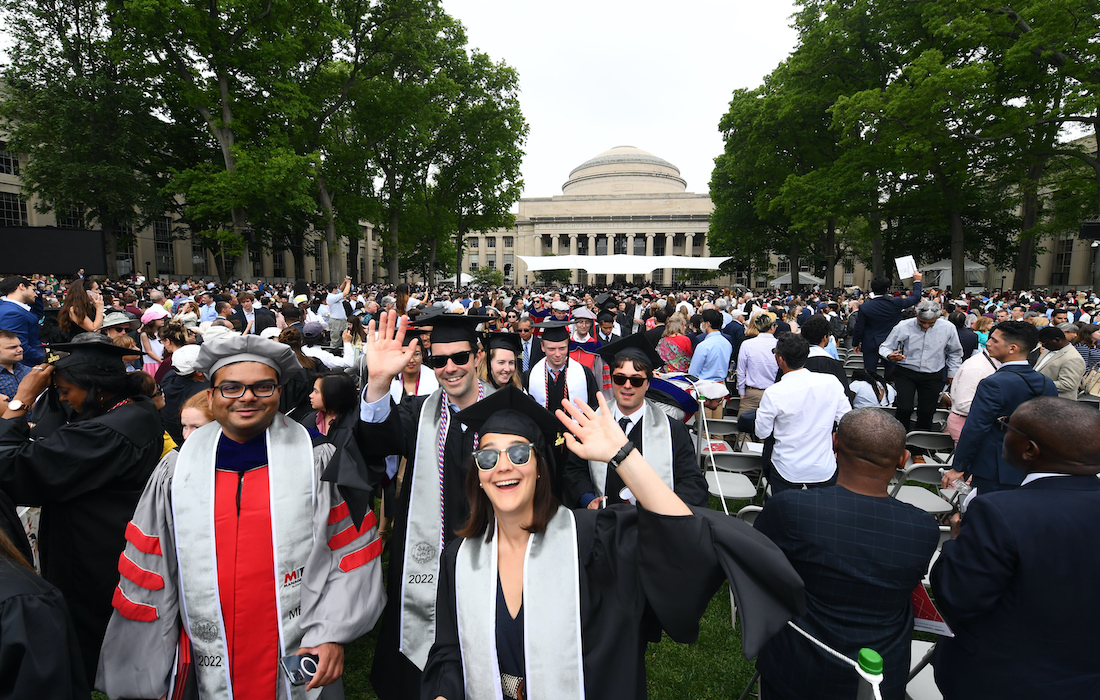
220 466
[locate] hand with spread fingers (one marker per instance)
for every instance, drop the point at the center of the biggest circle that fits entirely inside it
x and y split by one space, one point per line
384 354
591 436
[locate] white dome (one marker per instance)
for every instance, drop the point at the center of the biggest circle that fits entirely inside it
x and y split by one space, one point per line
624 169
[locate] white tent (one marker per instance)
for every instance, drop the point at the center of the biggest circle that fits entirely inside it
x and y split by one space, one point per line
941 273
618 264
803 278
466 279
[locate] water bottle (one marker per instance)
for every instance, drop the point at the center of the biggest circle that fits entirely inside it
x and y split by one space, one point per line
870 675
962 490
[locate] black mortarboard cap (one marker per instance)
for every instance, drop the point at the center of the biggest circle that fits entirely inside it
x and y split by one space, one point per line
411 334
450 328
554 331
605 301
510 411
636 346
89 348
605 316
507 341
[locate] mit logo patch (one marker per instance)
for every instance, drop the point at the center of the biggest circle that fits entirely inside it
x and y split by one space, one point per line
293 578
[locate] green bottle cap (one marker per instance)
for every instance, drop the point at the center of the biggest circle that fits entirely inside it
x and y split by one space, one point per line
870 661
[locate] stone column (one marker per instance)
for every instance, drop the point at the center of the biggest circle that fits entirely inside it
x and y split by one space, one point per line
688 244
555 244
573 250
669 238
630 243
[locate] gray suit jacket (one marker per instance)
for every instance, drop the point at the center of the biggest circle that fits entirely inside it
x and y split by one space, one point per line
1065 368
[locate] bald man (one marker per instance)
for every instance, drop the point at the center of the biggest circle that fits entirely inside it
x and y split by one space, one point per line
861 554
1018 583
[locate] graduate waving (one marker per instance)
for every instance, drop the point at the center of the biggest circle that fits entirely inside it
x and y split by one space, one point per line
540 601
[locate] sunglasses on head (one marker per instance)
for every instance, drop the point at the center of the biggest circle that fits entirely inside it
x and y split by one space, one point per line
518 454
622 379
440 361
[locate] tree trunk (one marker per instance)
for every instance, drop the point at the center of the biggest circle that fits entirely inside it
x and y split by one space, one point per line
430 277
1025 258
794 268
219 265
334 264
460 241
830 254
298 251
393 254
110 245
958 259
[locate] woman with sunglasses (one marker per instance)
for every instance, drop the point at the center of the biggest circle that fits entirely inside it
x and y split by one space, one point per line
541 601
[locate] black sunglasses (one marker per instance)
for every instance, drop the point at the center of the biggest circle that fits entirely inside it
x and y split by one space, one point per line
518 454
1005 426
622 379
440 361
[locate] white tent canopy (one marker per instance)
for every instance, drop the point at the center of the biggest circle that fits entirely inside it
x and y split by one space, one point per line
466 279
968 265
803 278
941 274
618 264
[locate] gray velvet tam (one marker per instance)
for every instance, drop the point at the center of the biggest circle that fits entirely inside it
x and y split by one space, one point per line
230 349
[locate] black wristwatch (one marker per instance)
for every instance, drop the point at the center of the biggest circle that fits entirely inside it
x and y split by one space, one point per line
625 450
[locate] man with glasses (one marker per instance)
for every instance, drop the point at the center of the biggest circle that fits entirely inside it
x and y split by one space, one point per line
432 504
979 452
1016 582
666 443
248 504
923 348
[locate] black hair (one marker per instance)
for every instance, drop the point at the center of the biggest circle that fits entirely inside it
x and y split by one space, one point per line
1021 333
102 378
793 348
880 285
872 378
338 392
815 329
10 284
713 317
640 365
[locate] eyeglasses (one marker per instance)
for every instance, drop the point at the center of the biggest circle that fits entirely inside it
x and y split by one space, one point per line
1005 426
518 454
622 379
440 361
235 390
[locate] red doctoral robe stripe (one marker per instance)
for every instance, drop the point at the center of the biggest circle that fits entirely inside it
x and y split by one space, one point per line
246 573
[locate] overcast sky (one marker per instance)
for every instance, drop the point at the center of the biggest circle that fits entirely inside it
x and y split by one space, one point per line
595 74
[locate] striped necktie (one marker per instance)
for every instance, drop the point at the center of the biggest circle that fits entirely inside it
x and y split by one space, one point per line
526 355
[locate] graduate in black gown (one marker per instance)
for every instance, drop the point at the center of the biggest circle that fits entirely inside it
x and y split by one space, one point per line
39 656
571 587
87 475
411 429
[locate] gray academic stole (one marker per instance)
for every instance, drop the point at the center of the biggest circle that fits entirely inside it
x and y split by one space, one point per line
424 536
656 448
552 651
292 485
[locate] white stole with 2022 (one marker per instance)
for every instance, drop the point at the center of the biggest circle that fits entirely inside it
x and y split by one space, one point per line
292 486
553 655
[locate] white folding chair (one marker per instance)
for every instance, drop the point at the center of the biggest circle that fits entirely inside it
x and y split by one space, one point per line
730 487
736 462
922 679
918 495
749 513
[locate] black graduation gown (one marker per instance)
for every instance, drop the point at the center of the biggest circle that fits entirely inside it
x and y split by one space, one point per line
87 476
687 478
393 676
675 573
39 656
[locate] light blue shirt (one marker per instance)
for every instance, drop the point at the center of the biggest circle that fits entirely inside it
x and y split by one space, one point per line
711 359
207 312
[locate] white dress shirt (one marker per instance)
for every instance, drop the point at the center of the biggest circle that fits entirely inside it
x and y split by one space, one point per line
800 412
970 374
756 363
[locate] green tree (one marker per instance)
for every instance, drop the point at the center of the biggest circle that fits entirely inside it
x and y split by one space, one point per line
76 104
488 277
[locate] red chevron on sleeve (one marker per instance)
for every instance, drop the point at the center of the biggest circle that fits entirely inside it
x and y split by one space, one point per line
350 562
338 513
131 610
142 577
144 543
348 534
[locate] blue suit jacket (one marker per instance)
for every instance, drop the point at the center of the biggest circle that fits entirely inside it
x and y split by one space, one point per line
878 316
1018 588
24 324
999 394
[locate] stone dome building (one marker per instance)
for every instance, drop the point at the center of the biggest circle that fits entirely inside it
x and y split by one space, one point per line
623 201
